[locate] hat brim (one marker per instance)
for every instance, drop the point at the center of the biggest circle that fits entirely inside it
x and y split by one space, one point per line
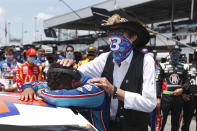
143 36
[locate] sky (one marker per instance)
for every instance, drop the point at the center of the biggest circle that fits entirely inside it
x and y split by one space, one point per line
22 18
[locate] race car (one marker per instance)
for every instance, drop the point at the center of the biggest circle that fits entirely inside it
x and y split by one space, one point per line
38 115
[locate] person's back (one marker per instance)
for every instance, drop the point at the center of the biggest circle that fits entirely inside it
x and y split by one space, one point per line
59 91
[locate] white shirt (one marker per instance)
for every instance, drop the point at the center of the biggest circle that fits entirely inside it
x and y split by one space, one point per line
145 102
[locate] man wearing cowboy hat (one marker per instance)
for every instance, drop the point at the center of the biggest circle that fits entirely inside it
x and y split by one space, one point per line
126 74
132 83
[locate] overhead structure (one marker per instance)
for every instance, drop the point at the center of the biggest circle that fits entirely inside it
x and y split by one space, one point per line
85 39
149 11
171 13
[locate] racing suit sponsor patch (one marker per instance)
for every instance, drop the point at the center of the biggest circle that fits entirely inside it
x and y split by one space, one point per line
25 70
88 87
174 79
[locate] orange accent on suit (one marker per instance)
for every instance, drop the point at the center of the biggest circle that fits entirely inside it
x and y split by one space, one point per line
27 73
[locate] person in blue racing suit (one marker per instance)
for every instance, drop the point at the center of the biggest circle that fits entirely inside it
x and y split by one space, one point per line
67 87
8 68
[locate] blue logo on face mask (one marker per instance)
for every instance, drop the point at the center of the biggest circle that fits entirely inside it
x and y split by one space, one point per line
121 47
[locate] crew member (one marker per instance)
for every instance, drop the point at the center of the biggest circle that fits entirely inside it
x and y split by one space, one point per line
59 55
8 68
91 54
190 95
41 57
69 54
173 74
50 58
29 71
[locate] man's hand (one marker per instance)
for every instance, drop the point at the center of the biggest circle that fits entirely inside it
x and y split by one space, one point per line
28 94
186 97
104 83
108 87
158 106
68 63
178 92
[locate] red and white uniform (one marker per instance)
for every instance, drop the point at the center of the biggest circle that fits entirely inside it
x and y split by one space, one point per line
27 73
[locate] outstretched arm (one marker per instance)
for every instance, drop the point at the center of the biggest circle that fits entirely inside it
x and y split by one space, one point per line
89 96
35 85
145 102
30 90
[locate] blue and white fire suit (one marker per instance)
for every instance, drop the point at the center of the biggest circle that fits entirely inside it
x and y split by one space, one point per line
88 96
8 74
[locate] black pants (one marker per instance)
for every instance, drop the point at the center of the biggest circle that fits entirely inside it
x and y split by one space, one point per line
188 112
116 126
173 104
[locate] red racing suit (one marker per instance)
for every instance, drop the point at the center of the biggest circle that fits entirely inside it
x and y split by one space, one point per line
27 73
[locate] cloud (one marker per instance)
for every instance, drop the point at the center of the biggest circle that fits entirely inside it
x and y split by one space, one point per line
2 14
43 16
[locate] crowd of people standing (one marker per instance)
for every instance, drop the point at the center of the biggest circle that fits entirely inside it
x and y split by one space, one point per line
124 86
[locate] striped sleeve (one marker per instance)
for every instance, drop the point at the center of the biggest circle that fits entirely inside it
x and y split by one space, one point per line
35 85
88 96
